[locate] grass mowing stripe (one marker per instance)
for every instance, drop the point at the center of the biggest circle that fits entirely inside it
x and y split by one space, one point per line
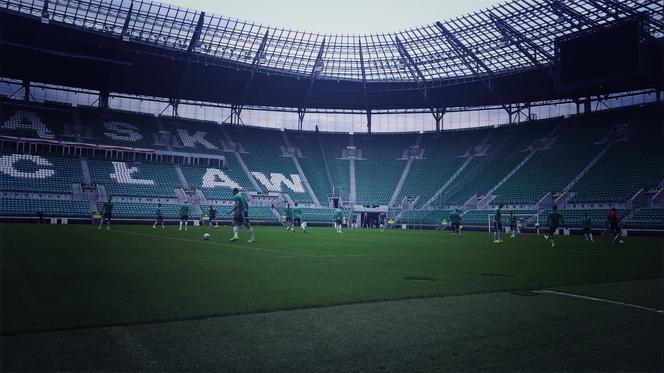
252 247
183 280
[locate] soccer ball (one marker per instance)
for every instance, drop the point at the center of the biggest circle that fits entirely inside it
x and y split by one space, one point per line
206 236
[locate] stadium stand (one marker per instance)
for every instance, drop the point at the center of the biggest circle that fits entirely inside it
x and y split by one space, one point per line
46 122
434 217
442 157
118 128
192 136
339 168
380 169
508 148
135 179
209 185
134 210
50 208
628 165
634 161
39 173
312 163
264 158
647 218
550 170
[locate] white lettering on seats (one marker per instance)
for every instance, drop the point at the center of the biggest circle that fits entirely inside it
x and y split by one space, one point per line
7 163
122 131
276 179
123 175
191 140
26 120
215 178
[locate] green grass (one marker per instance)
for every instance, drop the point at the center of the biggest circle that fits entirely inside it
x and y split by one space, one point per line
55 277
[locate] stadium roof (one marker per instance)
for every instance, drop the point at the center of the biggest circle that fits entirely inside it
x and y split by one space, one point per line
514 35
514 39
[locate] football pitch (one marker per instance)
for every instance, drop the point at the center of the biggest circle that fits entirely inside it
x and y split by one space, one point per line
74 278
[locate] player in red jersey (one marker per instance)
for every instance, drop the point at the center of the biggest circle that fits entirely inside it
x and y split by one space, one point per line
614 227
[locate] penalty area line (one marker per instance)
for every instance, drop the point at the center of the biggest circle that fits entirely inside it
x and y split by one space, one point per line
595 299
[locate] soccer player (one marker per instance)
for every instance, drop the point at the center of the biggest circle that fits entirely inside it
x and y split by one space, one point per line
40 217
614 227
513 226
365 220
555 220
160 217
297 219
587 224
338 219
381 221
498 225
240 212
212 216
106 214
289 217
455 219
184 215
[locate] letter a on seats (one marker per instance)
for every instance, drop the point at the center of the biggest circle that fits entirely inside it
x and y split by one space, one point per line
26 120
215 178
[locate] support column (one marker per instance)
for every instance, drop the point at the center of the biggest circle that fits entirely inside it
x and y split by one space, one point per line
369 120
26 90
438 117
587 106
103 100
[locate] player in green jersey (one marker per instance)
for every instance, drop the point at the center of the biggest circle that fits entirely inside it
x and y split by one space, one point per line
160 217
212 217
106 214
455 219
513 224
498 225
381 220
297 219
184 215
338 219
288 213
240 212
555 220
587 225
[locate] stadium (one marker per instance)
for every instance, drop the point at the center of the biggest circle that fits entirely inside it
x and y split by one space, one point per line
484 192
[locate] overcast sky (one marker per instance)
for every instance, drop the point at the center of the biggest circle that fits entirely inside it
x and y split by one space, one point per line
339 16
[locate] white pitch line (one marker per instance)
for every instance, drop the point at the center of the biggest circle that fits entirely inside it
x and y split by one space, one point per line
599 300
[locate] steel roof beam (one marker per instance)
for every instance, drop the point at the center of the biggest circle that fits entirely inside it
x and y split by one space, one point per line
364 87
197 33
247 84
419 80
125 26
315 70
175 101
462 51
519 39
606 5
559 8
